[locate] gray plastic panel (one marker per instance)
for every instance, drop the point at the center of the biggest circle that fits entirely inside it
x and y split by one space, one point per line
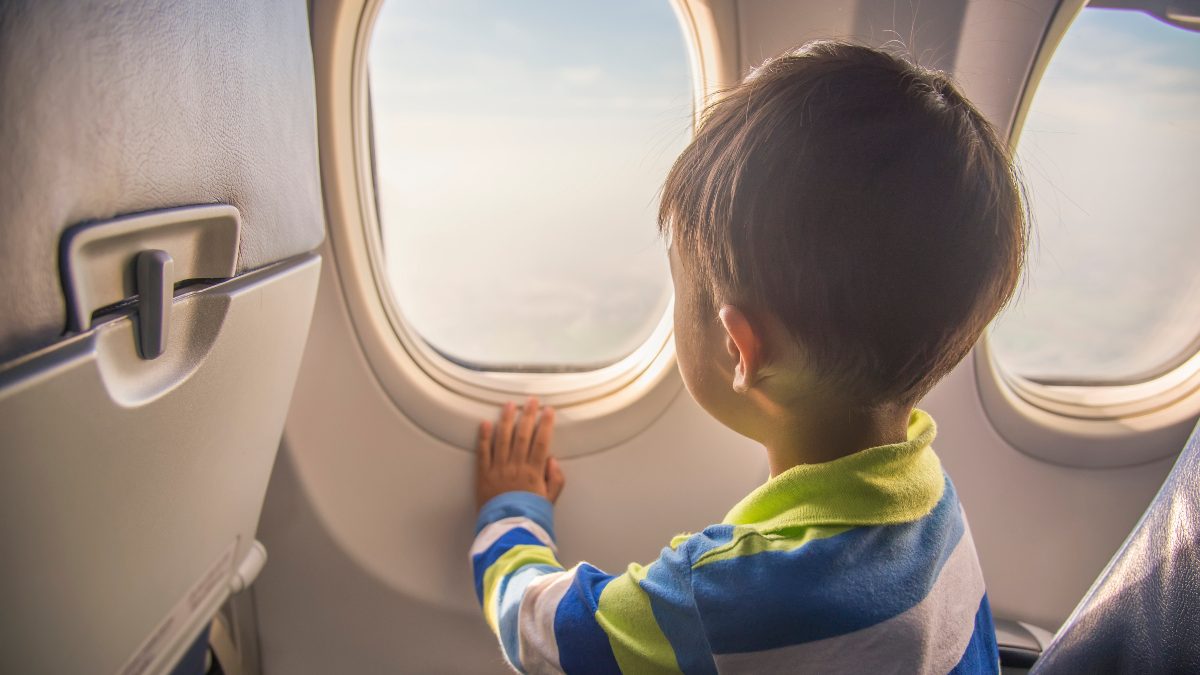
98 258
131 489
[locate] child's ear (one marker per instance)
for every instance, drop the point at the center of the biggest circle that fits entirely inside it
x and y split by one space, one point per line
743 343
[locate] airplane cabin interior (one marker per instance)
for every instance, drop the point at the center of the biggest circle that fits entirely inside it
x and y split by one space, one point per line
265 266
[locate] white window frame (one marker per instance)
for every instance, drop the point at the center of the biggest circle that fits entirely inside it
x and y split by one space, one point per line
597 409
1082 425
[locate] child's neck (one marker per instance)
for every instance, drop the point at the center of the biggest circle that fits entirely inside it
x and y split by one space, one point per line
822 433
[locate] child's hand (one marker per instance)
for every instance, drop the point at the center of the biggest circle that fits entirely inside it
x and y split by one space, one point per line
515 455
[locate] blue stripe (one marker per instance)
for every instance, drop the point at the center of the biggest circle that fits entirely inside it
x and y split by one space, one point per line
982 655
517 503
517 536
512 589
583 645
706 540
668 584
827 587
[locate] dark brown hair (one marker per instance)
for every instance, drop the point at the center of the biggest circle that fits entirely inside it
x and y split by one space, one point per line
863 202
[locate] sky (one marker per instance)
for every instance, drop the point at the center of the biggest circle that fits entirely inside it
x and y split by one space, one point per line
1110 153
520 146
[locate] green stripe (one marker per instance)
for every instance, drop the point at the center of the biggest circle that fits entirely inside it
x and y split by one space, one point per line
884 485
637 641
748 541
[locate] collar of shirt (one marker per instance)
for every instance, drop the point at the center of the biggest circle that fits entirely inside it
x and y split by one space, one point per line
883 485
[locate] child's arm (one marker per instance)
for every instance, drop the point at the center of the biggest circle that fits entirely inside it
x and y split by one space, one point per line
581 620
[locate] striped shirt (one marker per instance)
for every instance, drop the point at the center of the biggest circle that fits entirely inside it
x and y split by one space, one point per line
861 564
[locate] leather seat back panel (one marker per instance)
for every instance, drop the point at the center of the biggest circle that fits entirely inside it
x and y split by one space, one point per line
1143 613
110 108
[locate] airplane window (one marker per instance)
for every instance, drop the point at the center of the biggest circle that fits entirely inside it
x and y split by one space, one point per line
519 148
1110 152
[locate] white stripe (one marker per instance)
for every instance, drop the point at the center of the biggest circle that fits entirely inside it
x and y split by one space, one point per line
929 637
535 621
514 591
488 535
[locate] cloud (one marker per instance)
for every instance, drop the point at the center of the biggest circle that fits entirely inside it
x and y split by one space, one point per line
580 75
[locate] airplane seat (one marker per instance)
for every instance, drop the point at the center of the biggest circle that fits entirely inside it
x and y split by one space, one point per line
160 208
1142 615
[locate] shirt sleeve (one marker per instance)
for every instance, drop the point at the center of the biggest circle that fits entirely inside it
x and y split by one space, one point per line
580 620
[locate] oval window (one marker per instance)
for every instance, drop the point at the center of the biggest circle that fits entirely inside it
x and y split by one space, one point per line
1110 152
519 148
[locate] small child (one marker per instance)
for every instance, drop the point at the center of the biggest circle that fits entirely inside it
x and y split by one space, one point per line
841 230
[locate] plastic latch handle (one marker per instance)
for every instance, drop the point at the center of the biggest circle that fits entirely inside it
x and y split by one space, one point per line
248 570
156 290
100 266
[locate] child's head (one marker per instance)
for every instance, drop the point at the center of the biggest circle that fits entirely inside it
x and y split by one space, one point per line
849 213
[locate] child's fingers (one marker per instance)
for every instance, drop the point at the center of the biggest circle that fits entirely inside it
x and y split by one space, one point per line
524 433
542 436
503 444
483 447
555 480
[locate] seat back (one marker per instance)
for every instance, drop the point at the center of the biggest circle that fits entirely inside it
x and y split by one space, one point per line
1143 613
159 209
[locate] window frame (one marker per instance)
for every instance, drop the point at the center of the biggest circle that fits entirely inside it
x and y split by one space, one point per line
599 408
1080 424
